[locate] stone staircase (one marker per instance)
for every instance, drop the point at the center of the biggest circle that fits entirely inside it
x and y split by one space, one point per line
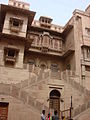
16 88
24 89
16 92
70 78
37 82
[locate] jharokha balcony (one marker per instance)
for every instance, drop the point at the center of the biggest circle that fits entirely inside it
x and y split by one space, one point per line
10 58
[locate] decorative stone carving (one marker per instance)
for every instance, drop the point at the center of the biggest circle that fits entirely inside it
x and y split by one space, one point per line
45 42
30 36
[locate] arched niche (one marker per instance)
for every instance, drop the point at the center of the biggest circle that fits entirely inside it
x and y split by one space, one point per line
54 100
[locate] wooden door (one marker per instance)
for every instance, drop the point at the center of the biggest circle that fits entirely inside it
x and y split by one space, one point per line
3 111
55 104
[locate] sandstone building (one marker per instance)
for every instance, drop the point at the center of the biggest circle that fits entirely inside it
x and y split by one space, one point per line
42 65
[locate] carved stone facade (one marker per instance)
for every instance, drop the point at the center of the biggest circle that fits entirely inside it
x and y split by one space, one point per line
42 65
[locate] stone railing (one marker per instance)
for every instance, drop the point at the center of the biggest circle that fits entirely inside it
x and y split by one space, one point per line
70 77
32 68
39 76
35 76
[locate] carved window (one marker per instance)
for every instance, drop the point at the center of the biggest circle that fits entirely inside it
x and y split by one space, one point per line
33 43
88 52
43 66
37 40
45 40
51 43
56 44
10 56
14 3
87 31
19 4
11 53
15 24
60 44
42 20
68 67
23 6
87 68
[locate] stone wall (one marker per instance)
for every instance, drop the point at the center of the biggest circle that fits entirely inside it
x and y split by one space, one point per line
6 27
10 75
18 110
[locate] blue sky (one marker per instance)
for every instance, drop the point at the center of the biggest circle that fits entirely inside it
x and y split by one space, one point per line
59 10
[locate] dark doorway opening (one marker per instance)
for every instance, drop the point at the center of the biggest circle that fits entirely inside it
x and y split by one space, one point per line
54 102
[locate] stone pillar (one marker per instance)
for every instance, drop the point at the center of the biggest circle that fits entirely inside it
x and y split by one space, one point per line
37 62
85 53
19 63
78 41
83 75
1 56
49 64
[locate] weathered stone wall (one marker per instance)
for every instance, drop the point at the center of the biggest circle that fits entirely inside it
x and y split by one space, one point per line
77 42
87 80
85 113
35 90
85 24
10 75
69 40
18 110
46 59
9 43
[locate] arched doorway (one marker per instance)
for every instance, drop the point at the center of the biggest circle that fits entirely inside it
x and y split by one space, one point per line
43 67
54 102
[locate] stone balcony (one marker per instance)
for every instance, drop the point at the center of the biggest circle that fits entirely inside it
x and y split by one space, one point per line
10 58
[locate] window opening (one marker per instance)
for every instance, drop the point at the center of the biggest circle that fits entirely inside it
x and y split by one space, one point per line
54 67
15 23
11 53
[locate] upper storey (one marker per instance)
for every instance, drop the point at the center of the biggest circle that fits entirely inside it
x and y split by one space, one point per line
18 21
49 38
83 18
16 17
46 23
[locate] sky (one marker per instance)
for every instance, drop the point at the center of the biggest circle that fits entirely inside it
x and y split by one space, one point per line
59 10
